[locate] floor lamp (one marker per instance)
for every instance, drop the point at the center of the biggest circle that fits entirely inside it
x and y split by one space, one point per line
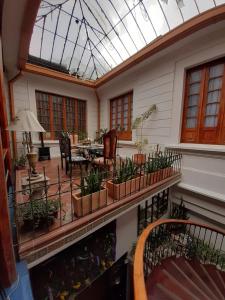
26 122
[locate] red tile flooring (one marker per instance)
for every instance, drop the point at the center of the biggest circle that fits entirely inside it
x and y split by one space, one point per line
52 169
56 174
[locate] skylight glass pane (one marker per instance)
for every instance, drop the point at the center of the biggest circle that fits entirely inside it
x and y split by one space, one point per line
71 33
205 5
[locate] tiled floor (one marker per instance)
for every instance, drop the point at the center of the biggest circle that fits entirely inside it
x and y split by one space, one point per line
59 187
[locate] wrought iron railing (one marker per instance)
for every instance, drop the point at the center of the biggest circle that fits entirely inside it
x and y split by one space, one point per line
54 202
175 238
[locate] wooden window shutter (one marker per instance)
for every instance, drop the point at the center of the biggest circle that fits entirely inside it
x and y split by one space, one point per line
192 105
211 118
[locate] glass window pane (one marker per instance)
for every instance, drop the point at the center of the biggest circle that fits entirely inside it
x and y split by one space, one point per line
215 84
214 96
193 100
212 109
191 123
210 121
195 76
216 71
192 111
194 88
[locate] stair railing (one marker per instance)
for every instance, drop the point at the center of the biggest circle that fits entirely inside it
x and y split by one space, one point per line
175 238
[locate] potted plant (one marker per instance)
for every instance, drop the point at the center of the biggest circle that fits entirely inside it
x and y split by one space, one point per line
92 194
141 143
20 162
152 170
126 180
39 213
165 164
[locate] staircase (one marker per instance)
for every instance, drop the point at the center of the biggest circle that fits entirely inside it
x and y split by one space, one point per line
181 279
179 260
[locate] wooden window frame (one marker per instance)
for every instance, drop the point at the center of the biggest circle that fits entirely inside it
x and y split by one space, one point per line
202 134
125 135
64 121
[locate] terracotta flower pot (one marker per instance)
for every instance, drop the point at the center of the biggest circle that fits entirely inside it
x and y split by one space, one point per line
89 203
121 190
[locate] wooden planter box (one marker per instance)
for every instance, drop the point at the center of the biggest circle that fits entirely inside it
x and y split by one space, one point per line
139 158
121 190
167 172
89 203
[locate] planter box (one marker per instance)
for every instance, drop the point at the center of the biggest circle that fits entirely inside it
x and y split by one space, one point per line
167 172
121 190
89 203
139 158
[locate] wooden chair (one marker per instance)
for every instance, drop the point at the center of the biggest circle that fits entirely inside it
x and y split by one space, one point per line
109 151
71 159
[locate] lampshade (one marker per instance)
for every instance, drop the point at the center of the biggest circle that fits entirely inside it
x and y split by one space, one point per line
26 121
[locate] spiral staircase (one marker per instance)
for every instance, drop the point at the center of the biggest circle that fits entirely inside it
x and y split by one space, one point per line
180 260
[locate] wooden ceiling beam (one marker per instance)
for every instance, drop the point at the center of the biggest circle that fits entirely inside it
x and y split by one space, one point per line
29 17
31 68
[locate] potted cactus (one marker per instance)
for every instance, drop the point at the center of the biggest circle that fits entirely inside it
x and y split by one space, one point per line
126 180
165 164
92 195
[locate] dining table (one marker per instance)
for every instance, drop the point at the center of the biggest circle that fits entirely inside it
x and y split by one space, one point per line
92 149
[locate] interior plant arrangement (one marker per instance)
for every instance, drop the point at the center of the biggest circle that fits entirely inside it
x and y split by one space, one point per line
92 194
100 134
141 142
39 213
20 163
152 169
126 180
166 161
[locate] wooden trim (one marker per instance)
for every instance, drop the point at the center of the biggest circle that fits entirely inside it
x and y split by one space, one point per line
12 109
52 133
29 18
123 135
205 135
64 113
201 21
8 267
30 68
138 274
99 111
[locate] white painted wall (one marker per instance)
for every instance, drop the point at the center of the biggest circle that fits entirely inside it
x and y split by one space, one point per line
160 80
126 232
24 95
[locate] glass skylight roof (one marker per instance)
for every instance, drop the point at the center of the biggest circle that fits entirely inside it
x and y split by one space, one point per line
88 38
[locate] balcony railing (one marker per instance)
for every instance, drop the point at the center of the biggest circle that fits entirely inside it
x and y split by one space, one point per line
53 203
175 238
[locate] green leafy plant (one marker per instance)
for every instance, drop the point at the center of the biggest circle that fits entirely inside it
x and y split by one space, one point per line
151 165
126 171
139 124
82 135
91 183
39 212
100 134
21 161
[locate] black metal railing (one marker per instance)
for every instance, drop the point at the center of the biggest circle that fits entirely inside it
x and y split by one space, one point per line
57 199
175 238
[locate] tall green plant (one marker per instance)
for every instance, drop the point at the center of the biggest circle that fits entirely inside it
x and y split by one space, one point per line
127 170
139 124
91 183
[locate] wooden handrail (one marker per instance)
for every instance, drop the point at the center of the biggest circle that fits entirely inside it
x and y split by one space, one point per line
138 275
